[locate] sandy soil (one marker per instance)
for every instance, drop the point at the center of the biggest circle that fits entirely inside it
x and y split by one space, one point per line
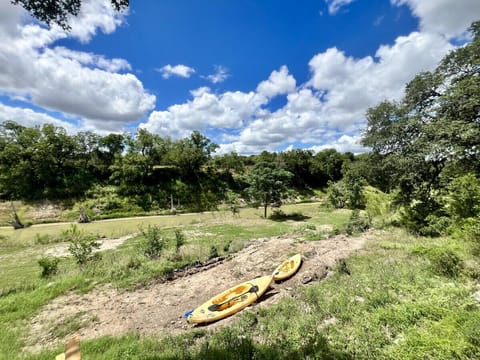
159 307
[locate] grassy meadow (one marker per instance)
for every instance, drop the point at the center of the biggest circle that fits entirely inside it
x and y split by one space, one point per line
404 297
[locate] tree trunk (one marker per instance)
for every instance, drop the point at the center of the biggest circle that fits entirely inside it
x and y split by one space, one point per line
265 210
16 223
83 218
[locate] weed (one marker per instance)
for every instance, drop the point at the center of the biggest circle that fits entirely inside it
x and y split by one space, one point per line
154 242
446 262
49 266
213 252
179 239
358 223
82 250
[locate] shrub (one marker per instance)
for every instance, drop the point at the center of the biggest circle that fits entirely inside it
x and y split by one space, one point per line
464 197
435 225
179 239
446 262
358 223
49 266
83 250
213 252
154 242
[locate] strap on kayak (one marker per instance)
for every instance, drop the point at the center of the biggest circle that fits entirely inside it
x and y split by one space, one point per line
216 307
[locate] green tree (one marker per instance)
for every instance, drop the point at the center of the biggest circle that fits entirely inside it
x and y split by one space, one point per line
268 182
432 135
299 163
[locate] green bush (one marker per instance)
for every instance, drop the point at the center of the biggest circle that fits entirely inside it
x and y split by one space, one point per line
83 250
179 239
154 242
379 207
446 262
464 197
358 223
49 266
435 226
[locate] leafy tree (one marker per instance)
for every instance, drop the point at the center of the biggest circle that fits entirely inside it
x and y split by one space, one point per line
58 12
327 166
268 182
432 135
299 163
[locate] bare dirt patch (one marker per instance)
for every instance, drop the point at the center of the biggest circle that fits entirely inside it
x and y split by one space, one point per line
159 308
105 244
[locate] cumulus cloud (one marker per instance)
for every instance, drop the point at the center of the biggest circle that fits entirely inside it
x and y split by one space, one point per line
221 74
350 85
178 70
344 143
279 82
446 17
29 118
335 5
228 110
73 82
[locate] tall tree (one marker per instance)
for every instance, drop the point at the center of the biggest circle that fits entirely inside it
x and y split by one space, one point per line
268 182
434 133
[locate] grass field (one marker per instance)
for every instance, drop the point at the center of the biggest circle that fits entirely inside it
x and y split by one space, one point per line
393 301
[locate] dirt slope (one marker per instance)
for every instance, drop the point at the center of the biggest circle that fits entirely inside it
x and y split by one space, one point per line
158 309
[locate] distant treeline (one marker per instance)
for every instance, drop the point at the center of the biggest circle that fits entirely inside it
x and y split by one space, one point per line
47 163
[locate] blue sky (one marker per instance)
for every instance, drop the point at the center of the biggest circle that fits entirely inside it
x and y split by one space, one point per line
252 75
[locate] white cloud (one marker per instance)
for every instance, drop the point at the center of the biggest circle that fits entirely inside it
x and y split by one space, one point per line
29 118
228 111
178 70
221 74
343 144
75 83
279 82
335 5
350 85
446 17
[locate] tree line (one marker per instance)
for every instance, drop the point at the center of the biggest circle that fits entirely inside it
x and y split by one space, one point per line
46 162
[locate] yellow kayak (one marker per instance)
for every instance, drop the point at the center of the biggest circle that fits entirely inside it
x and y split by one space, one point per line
230 301
287 268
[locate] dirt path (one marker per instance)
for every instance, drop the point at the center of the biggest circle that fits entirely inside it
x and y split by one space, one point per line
158 308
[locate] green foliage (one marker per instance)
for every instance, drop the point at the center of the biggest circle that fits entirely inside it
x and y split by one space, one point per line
213 252
464 197
348 192
82 246
379 207
446 262
154 242
430 140
358 223
180 239
279 215
268 182
49 266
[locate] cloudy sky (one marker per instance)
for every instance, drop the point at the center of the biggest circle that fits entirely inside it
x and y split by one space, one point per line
252 75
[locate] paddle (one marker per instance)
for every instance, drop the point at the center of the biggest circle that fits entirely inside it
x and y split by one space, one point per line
216 307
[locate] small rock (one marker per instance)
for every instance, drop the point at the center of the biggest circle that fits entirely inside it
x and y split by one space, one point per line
306 279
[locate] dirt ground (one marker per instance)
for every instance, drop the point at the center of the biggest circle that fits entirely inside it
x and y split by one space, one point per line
159 308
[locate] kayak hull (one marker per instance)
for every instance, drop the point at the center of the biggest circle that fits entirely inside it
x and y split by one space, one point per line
287 268
230 301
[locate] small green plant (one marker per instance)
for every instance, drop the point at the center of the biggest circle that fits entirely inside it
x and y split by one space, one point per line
49 266
154 242
213 252
446 262
358 223
83 250
134 263
179 239
42 239
342 267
